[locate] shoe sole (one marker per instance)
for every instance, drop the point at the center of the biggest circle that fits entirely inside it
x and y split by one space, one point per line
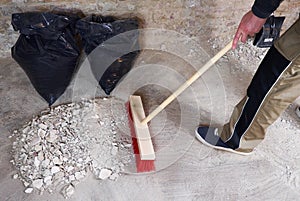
220 148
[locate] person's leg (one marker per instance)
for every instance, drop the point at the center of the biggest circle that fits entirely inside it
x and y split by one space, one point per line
275 85
263 106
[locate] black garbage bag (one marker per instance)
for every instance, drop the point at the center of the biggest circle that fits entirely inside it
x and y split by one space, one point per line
46 50
112 46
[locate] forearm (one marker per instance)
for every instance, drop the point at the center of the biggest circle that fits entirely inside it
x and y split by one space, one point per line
264 8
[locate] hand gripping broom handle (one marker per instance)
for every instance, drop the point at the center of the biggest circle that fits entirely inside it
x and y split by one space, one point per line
173 96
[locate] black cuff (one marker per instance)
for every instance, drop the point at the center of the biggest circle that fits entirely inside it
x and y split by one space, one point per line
259 13
264 8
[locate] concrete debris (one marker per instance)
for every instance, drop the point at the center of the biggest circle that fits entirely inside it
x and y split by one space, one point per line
28 190
37 183
104 174
55 169
15 176
68 191
58 148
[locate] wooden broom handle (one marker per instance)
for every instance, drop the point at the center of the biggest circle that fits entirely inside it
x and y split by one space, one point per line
173 96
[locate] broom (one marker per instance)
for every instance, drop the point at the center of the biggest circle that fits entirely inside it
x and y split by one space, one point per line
141 139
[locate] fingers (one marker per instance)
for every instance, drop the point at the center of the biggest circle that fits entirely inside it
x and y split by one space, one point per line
240 36
244 37
236 39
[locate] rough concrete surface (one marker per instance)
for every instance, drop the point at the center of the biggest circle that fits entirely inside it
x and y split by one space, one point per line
188 169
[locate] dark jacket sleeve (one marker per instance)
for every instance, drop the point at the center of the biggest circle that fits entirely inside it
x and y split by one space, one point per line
264 8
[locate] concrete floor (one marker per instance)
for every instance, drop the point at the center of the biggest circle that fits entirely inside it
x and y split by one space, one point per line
200 174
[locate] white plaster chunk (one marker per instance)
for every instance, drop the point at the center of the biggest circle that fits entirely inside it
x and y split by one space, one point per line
28 190
79 175
55 169
51 137
26 129
69 168
38 183
45 163
59 176
128 145
72 178
57 161
26 184
114 176
15 176
38 147
36 162
40 156
35 141
104 174
48 180
68 191
43 126
42 133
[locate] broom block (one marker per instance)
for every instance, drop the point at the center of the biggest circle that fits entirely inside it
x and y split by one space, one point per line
142 130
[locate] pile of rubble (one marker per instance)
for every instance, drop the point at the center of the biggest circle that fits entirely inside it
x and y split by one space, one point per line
56 150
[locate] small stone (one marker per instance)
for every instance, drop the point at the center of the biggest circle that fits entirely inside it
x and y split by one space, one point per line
51 137
36 162
50 190
38 183
43 126
38 147
163 47
40 156
69 168
26 183
45 163
131 7
28 190
58 176
35 141
114 176
57 161
104 174
79 175
128 145
48 180
15 176
68 191
71 178
55 169
26 129
53 132
41 133
64 124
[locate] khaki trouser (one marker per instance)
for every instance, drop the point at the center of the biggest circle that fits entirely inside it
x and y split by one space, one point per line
274 87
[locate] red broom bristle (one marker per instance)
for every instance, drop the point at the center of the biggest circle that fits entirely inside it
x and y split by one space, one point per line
141 165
